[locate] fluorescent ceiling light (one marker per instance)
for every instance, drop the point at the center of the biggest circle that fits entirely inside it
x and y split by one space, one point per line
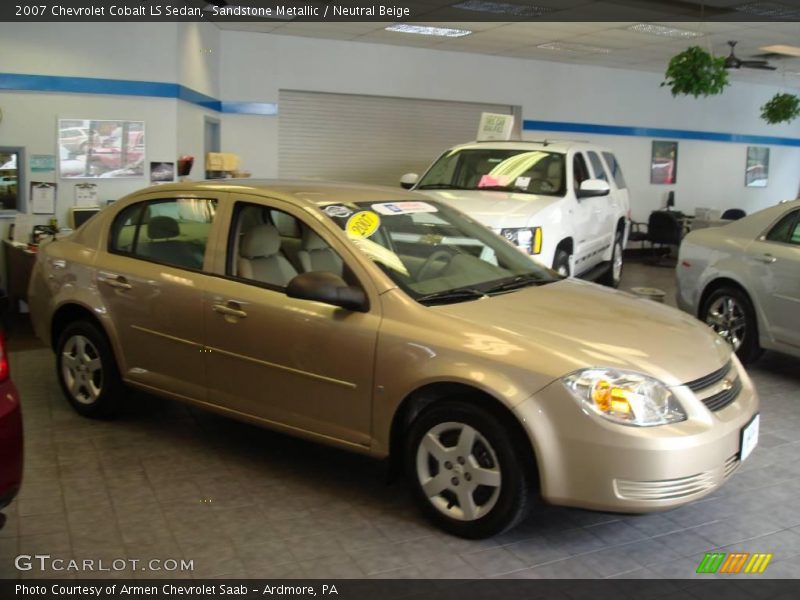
772 10
426 30
783 49
504 8
663 31
569 47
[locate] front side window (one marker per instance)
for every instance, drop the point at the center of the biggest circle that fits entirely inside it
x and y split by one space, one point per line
434 253
173 232
580 172
597 166
492 169
616 170
787 229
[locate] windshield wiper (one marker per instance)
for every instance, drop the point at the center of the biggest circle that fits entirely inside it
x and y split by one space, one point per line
440 186
517 282
450 296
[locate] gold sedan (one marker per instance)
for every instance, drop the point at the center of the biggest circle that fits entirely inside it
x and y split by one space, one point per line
379 321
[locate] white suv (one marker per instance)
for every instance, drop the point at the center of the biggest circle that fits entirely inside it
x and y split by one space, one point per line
566 203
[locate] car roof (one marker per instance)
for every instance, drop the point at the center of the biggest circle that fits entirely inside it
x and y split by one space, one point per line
543 144
299 191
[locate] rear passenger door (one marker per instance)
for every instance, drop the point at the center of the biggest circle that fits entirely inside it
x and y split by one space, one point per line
151 278
303 365
608 205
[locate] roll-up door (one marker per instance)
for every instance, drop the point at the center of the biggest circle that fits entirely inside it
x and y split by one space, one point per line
369 139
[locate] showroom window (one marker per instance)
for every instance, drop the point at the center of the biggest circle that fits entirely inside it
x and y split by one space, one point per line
597 166
787 230
174 232
269 247
616 170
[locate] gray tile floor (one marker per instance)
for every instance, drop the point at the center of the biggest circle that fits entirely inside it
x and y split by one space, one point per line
169 482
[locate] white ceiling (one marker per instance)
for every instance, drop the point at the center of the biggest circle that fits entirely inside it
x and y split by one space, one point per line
624 49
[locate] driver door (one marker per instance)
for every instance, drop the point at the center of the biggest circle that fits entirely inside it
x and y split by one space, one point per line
303 365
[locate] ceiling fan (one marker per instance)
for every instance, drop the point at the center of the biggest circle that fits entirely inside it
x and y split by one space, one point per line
734 62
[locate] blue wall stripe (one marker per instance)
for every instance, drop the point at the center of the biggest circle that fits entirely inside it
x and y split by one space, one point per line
124 87
655 132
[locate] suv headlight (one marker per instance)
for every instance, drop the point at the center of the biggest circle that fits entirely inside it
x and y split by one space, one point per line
625 397
527 238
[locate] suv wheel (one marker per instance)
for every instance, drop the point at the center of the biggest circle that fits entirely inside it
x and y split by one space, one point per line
613 276
467 477
728 311
561 263
87 370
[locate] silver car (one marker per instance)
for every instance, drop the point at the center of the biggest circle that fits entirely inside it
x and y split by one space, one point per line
743 279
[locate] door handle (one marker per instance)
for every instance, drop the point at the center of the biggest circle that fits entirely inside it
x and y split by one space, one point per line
114 280
231 309
766 258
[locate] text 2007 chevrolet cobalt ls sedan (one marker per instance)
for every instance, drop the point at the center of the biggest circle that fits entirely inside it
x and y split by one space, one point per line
379 321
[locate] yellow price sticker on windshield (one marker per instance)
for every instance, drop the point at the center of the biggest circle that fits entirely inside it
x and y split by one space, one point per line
363 224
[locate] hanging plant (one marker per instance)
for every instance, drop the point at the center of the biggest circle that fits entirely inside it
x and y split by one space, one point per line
695 72
782 108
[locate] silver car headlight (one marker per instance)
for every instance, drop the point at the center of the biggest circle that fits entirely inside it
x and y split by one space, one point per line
625 397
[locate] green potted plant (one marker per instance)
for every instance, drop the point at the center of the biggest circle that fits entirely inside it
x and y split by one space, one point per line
695 72
781 108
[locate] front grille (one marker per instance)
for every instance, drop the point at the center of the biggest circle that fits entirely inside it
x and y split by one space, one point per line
665 489
731 465
721 399
710 379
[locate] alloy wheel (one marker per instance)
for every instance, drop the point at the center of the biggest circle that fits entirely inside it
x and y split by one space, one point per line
458 471
82 369
616 264
727 317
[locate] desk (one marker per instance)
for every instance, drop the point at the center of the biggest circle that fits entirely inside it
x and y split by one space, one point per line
19 265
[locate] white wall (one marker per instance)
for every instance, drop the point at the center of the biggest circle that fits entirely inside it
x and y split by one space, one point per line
255 67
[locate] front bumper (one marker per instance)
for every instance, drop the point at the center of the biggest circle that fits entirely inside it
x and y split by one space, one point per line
586 461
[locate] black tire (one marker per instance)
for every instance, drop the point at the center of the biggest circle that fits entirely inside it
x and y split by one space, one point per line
94 390
561 262
492 453
737 303
613 275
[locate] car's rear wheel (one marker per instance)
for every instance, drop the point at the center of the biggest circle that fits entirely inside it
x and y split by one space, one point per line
729 312
613 275
561 262
466 474
87 371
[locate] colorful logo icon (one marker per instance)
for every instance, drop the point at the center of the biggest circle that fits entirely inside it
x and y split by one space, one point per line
734 563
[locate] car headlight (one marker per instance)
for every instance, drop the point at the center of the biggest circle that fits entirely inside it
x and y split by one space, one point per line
527 238
625 397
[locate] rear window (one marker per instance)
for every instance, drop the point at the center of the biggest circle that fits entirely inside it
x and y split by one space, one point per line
616 170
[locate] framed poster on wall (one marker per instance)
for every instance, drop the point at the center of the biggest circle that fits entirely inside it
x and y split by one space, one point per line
756 172
664 162
90 148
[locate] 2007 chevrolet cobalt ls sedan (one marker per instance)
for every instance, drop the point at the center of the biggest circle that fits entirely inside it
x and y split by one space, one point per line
380 321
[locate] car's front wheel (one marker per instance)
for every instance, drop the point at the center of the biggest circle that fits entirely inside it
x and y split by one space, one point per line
613 275
466 474
729 312
561 262
87 370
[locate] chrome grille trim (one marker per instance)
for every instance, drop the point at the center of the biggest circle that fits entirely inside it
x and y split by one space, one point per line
723 398
731 465
665 489
710 379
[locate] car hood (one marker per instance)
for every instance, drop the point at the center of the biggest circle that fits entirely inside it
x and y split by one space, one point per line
569 325
495 209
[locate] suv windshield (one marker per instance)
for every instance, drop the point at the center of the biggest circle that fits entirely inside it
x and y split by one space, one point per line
434 253
524 171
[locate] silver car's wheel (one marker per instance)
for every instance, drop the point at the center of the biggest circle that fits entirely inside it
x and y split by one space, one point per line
82 369
87 370
727 317
458 471
470 469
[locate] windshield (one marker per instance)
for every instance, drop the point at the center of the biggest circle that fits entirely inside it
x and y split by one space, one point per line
523 171
434 253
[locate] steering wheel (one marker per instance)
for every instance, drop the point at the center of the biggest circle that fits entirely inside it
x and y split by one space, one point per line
429 262
540 185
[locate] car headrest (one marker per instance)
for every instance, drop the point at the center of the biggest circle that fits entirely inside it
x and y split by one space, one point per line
161 228
311 241
554 170
260 242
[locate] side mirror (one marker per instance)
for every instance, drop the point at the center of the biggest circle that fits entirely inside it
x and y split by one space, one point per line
329 288
593 187
408 180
